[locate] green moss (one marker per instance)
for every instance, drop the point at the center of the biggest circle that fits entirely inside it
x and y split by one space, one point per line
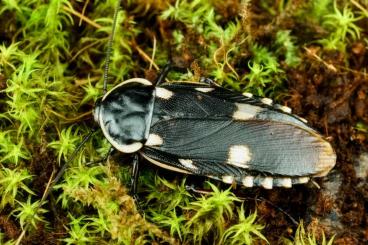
51 66
246 231
340 24
301 237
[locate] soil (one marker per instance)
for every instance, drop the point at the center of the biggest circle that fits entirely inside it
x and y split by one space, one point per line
332 102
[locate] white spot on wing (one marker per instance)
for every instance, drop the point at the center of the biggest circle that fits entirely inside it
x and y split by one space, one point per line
205 90
303 180
247 181
187 163
285 182
246 111
239 155
154 139
284 108
163 93
249 95
302 119
267 101
228 179
267 182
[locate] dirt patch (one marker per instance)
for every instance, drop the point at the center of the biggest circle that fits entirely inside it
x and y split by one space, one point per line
333 101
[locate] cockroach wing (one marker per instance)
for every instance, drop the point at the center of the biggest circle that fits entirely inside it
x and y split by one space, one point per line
220 147
188 100
204 130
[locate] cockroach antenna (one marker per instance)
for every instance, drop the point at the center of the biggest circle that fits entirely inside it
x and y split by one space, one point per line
60 173
109 47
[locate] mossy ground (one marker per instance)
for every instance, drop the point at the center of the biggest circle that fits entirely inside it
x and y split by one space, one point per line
310 56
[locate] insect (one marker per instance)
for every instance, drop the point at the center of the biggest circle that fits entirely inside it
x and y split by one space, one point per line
206 130
203 129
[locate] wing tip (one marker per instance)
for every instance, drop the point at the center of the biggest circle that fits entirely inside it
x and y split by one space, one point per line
326 161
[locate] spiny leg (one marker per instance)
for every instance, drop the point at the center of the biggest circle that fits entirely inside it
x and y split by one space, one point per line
134 181
208 81
134 177
163 74
194 190
168 67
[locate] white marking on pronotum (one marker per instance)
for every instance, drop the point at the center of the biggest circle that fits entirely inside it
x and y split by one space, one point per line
247 181
285 182
132 147
163 93
249 95
267 101
228 179
246 111
187 163
205 90
133 80
303 180
267 182
239 155
127 148
154 139
166 166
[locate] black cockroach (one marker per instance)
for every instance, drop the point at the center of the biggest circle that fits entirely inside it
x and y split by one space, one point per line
206 130
202 129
